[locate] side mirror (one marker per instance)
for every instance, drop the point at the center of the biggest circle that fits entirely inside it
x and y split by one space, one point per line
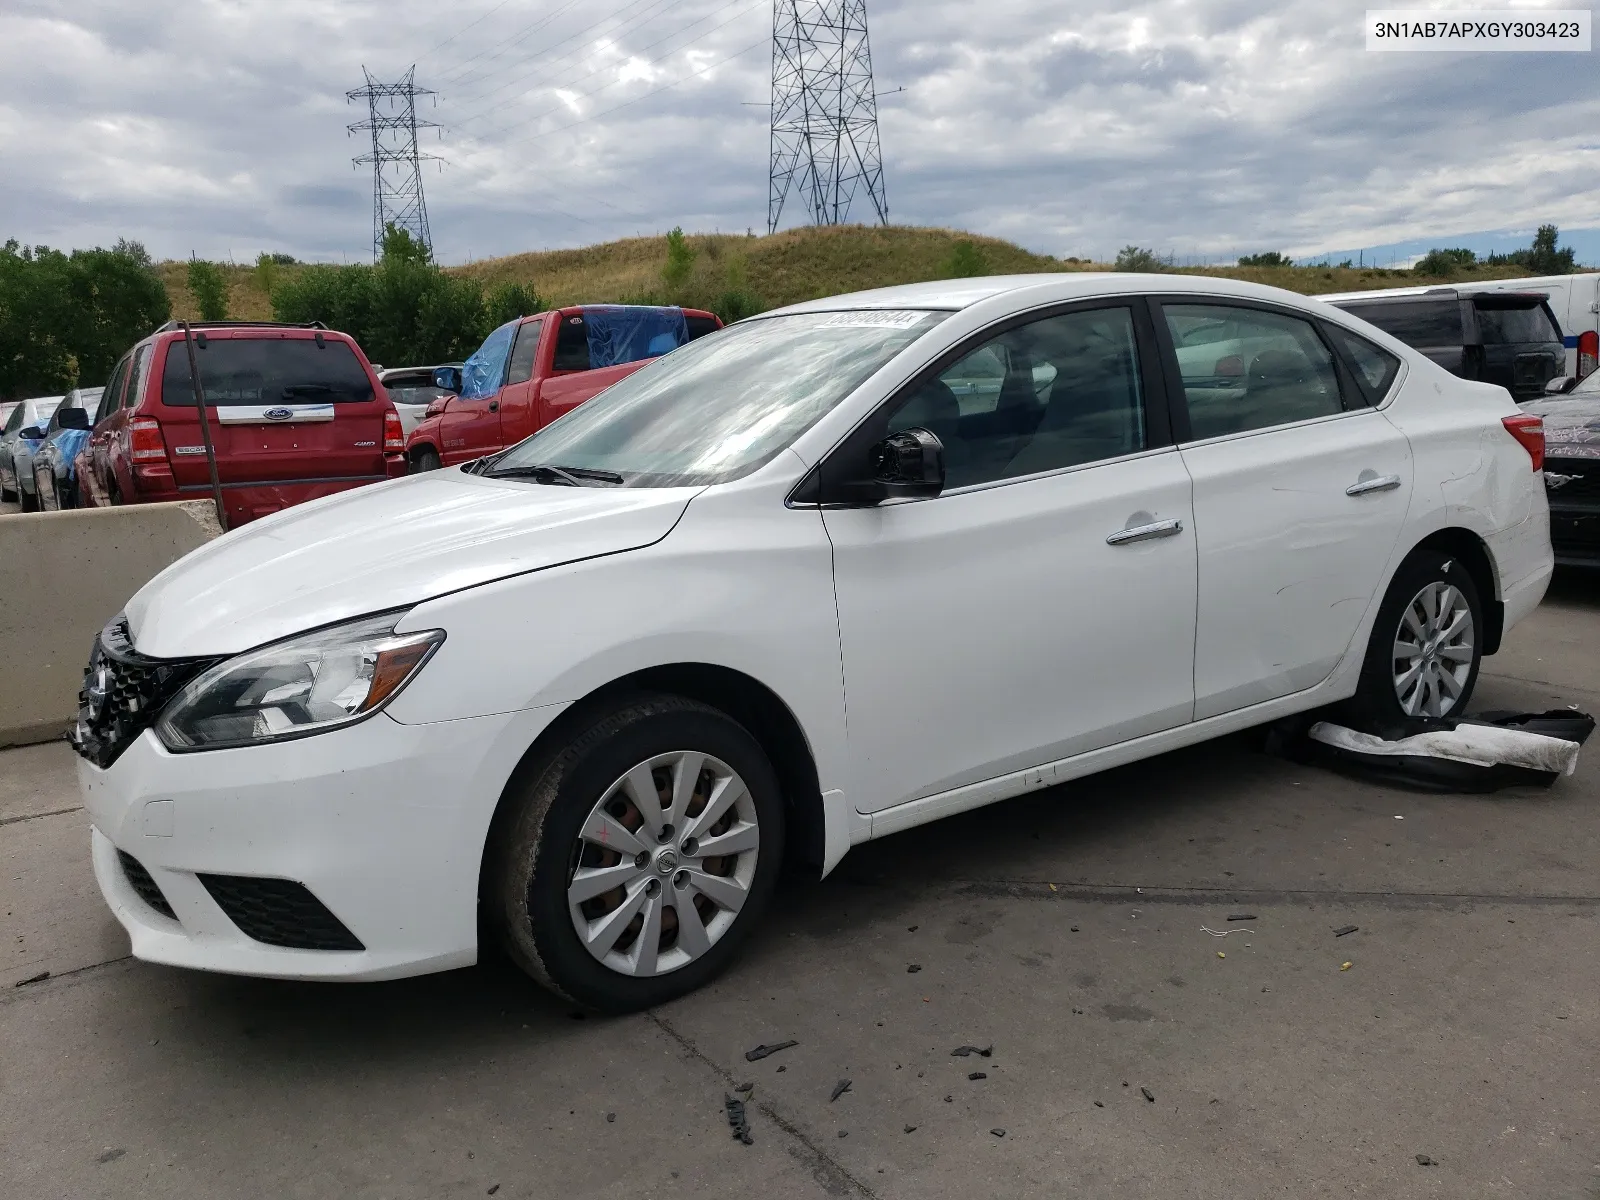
74 418
908 463
32 432
447 379
1561 386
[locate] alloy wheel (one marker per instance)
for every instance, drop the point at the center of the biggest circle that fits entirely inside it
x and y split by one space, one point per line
663 863
1434 650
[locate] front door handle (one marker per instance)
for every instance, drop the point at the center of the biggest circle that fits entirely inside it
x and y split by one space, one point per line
1380 483
494 406
1145 533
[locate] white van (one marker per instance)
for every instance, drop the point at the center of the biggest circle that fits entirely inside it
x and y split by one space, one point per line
1574 301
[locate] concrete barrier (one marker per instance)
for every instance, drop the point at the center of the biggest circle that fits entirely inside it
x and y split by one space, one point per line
63 575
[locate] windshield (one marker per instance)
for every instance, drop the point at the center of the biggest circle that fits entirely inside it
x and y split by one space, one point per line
725 404
486 366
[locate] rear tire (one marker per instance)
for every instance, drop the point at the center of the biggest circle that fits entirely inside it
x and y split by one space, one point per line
28 500
1426 647
426 459
573 811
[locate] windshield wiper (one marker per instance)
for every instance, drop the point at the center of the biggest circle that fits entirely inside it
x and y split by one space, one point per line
545 473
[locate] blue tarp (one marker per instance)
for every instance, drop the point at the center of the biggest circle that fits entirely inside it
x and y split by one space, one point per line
626 333
481 374
69 442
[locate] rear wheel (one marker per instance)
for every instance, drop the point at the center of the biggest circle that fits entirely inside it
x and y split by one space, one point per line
426 459
1422 662
631 865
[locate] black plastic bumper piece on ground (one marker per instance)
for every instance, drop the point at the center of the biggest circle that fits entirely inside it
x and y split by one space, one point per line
139 879
279 912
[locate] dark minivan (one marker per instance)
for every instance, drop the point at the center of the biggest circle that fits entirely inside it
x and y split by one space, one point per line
1508 338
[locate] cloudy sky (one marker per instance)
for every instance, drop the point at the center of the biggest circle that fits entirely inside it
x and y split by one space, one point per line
1200 127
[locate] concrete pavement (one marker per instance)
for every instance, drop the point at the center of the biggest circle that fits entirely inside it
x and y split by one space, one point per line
1063 928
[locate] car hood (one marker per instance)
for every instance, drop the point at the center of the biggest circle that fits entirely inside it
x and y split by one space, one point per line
1571 425
386 546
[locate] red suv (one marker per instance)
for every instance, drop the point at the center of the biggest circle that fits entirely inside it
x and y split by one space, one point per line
296 412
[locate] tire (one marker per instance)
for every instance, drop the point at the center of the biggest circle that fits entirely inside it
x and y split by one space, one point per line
1382 703
28 500
535 852
426 459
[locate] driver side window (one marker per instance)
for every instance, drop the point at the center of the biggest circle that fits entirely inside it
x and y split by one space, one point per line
1058 392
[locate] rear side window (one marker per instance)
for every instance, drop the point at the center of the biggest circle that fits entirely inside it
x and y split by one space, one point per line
572 345
141 368
1415 322
113 393
1266 369
251 371
699 326
1375 368
1513 326
524 352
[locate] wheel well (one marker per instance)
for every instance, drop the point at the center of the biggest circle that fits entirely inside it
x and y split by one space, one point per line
749 702
1468 549
415 452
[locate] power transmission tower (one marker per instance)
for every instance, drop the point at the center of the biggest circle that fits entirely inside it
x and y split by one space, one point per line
824 110
396 162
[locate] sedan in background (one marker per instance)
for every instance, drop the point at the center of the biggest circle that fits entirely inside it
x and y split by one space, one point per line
411 389
1572 471
589 693
55 474
22 435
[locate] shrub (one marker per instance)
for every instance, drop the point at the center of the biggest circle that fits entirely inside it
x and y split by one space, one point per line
965 261
680 261
209 287
509 301
1137 258
1270 258
1445 262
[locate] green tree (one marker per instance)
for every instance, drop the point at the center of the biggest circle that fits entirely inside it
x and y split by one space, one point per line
1445 263
1270 258
120 299
680 261
509 301
209 287
1137 258
400 246
965 261
1543 257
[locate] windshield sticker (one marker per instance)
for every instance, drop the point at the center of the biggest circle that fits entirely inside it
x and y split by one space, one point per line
887 319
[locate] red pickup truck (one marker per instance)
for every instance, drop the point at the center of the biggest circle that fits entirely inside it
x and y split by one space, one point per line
532 370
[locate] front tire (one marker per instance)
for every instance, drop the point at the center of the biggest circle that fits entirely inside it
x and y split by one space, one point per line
629 866
426 459
1426 647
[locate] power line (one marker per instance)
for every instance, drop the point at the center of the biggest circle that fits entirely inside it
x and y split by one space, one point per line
467 26
824 110
396 164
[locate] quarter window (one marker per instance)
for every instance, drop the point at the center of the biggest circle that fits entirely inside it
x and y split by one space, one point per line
1375 367
141 364
1054 393
1246 368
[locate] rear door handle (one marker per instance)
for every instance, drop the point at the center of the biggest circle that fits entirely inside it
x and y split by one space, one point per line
1383 483
1145 533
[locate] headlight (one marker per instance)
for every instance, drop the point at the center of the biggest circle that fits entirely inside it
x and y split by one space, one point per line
300 686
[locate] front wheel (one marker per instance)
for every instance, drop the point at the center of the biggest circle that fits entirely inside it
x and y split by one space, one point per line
629 868
426 459
1422 661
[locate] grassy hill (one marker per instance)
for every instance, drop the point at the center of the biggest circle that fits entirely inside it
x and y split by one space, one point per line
786 267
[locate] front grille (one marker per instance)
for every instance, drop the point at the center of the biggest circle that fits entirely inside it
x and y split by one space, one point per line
140 880
1584 483
123 693
279 912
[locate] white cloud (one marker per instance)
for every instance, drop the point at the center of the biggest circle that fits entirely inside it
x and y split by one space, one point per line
1198 126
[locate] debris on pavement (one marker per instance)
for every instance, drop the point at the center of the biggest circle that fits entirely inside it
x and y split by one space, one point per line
782 1068
911 928
746 1088
1099 1104
1345 966
764 1050
913 968
110 1155
978 1075
1474 754
493 1188
738 1121
1424 1161
1241 916
844 1133
911 1128
39 978
1148 1094
611 1118
1220 954
1344 929
839 1089
948 1099
980 1051
998 1132
1223 932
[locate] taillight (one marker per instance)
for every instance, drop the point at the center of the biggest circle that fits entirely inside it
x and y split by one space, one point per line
1529 430
1588 353
394 434
146 441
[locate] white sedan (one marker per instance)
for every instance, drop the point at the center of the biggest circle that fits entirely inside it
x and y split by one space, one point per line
831 573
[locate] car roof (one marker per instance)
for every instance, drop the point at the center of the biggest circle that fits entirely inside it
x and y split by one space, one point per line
956 294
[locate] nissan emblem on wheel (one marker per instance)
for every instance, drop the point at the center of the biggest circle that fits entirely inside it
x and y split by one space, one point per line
587 694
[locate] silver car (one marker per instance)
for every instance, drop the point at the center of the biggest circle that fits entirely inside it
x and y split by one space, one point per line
55 483
411 390
16 448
